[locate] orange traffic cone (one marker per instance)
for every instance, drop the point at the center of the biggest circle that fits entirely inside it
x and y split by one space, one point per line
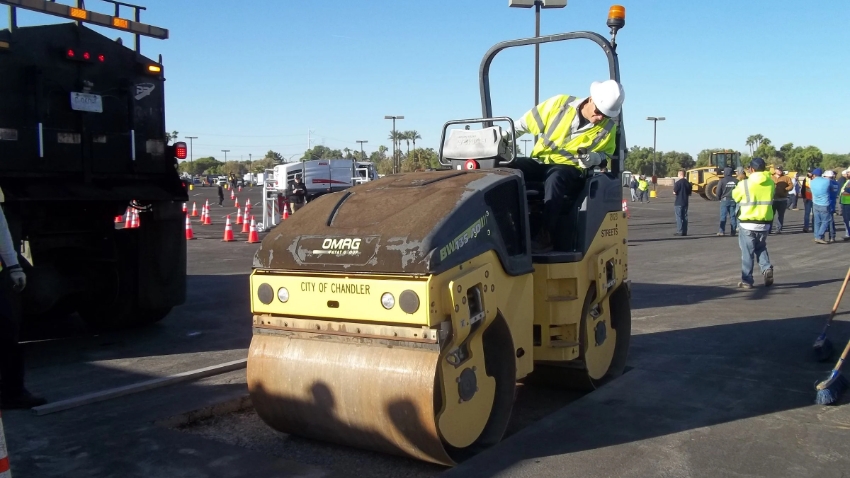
4 454
232 195
119 219
626 209
128 221
240 188
189 234
236 204
185 210
207 218
228 231
238 216
253 236
203 213
246 228
135 223
248 202
194 209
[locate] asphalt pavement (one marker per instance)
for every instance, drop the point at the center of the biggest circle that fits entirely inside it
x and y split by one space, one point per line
720 380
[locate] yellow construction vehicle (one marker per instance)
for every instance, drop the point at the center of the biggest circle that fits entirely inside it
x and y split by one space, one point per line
704 179
398 315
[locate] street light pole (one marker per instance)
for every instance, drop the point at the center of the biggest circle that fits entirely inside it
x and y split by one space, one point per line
537 4
526 141
190 138
655 120
362 154
396 167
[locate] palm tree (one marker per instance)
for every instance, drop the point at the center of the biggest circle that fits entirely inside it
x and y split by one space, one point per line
406 137
413 135
751 140
396 137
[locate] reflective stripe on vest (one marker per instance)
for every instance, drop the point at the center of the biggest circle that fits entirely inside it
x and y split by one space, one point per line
557 141
757 211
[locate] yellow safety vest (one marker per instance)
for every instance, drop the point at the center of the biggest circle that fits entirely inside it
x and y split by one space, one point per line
642 185
845 197
754 196
552 121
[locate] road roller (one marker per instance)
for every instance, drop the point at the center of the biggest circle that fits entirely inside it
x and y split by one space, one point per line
399 315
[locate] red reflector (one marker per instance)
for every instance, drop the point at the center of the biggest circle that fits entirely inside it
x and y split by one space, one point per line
101 58
471 164
70 53
86 55
180 150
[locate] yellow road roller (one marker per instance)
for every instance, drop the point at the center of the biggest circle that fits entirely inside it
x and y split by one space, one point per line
400 314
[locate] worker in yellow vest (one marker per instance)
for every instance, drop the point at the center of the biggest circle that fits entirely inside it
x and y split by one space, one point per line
564 124
844 200
754 196
643 188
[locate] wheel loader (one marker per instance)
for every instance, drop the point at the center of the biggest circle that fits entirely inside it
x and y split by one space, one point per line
704 180
400 314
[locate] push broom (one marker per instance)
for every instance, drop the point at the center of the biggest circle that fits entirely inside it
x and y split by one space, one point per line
823 347
830 389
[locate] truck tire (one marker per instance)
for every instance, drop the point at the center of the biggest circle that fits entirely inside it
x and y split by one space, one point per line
711 190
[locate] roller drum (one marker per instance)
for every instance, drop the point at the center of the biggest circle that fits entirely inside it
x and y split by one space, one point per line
368 396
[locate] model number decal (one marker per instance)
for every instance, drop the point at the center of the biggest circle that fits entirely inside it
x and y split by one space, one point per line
464 237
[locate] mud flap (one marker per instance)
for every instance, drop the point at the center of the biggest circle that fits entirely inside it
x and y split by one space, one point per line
161 249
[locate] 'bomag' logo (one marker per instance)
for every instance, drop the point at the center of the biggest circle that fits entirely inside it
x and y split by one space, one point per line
340 247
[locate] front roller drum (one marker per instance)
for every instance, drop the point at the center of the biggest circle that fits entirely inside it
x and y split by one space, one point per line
375 397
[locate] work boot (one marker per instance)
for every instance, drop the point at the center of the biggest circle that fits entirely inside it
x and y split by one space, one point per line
744 285
22 400
768 277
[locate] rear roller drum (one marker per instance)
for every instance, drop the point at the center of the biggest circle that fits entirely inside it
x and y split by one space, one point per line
388 399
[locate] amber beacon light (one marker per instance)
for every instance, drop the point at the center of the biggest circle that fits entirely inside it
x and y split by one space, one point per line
617 17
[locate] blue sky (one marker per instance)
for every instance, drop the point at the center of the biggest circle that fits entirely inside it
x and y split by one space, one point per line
256 75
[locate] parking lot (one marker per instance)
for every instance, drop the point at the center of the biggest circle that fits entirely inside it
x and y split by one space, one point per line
720 382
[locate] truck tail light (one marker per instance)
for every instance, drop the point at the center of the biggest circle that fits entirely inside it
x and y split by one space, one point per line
180 150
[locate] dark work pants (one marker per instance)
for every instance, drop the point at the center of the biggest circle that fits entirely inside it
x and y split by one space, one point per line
779 207
11 354
559 180
681 219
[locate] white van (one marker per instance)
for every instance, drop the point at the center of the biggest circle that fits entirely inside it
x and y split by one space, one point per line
322 176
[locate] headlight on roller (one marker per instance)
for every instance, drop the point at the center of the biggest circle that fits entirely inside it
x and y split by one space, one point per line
387 300
282 294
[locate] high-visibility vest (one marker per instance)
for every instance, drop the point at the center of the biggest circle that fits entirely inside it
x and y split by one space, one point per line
552 121
808 190
845 196
754 196
642 185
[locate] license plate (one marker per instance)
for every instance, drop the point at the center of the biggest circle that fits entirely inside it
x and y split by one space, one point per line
86 102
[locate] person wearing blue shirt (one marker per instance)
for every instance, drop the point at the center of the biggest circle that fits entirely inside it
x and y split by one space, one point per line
821 191
834 191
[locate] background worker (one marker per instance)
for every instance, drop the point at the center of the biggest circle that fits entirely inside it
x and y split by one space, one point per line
806 194
834 191
780 198
564 124
13 394
643 188
299 193
792 193
754 196
727 203
820 189
682 190
844 199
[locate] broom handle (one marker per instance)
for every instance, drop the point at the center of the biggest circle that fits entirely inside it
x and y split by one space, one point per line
838 299
843 356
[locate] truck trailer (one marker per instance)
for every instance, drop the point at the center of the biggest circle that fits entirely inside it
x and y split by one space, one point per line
82 141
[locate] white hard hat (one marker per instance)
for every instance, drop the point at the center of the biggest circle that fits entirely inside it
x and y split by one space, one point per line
829 173
608 96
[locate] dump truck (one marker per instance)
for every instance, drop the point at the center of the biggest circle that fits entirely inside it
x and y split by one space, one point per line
704 179
399 315
83 141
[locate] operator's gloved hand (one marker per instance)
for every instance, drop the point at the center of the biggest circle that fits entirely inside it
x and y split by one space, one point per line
593 159
19 279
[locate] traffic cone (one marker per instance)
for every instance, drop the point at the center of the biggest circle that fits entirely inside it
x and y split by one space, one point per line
136 219
246 228
207 218
285 211
626 209
4 454
253 236
248 203
189 234
184 208
228 231
240 188
119 219
203 213
236 204
238 216
128 221
232 195
194 209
